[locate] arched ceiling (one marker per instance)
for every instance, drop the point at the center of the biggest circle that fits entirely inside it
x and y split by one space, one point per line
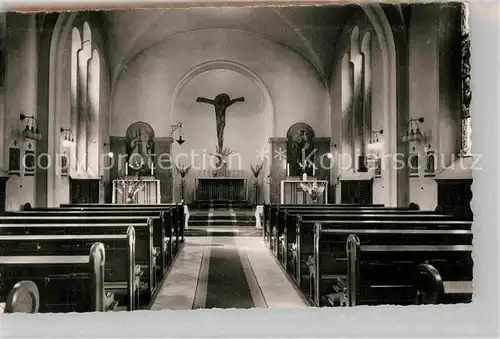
310 31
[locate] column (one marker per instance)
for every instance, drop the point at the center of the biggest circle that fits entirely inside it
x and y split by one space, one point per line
21 81
163 169
94 144
83 110
277 147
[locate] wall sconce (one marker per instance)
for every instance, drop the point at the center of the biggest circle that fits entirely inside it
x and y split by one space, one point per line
178 126
31 130
375 144
110 154
413 130
68 140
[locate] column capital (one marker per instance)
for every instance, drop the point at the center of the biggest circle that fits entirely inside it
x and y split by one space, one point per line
276 140
167 140
321 139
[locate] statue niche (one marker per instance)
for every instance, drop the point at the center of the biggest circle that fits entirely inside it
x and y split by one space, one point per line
300 149
140 148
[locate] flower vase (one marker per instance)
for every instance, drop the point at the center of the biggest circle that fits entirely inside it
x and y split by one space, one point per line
304 176
183 183
130 199
257 186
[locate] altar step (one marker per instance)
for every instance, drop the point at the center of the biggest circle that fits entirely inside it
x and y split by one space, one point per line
223 231
200 205
226 217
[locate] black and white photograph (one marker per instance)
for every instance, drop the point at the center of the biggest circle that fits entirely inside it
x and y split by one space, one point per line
236 157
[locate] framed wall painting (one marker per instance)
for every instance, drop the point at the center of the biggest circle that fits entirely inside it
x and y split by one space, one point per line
64 164
29 163
413 164
14 160
430 158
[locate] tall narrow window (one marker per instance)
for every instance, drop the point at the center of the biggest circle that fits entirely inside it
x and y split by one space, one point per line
76 47
93 130
357 107
465 83
81 132
347 102
366 49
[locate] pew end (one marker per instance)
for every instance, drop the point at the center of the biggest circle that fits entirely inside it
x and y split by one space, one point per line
24 297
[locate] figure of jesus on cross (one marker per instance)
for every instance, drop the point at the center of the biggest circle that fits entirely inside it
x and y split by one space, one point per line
221 103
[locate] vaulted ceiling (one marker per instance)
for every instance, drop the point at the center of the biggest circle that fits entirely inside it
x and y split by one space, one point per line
310 31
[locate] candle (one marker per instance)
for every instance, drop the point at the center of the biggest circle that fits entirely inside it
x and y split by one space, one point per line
126 168
152 167
287 169
314 170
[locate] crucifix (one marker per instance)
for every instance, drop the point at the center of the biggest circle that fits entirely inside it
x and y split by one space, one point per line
221 102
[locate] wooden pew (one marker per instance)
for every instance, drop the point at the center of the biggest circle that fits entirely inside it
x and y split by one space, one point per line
121 275
162 227
382 269
145 252
275 213
176 212
270 212
277 223
24 297
304 233
385 214
67 283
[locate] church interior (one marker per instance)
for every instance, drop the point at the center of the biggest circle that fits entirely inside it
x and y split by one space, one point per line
235 157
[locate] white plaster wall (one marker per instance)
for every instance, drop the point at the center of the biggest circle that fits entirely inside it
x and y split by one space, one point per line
430 96
247 123
144 90
344 142
63 112
20 97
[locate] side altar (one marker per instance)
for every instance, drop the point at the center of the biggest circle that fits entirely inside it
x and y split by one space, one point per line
136 190
293 193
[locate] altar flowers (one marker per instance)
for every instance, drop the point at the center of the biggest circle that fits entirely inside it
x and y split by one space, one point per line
183 171
313 189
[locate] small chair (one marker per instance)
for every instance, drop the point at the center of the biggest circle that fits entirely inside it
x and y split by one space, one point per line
26 207
413 206
24 297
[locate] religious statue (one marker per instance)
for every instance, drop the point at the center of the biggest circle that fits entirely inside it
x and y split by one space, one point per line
140 148
301 151
221 102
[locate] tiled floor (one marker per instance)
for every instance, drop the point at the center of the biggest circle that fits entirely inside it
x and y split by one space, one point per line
188 278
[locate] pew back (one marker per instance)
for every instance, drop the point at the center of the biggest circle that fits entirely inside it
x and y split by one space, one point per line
382 271
119 270
145 254
67 283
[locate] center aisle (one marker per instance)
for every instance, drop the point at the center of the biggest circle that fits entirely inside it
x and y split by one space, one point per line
228 282
226 272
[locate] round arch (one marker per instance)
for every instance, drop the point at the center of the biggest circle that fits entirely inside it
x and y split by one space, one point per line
52 52
62 28
236 67
227 65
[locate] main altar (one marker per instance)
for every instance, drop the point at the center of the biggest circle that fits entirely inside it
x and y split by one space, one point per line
221 189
